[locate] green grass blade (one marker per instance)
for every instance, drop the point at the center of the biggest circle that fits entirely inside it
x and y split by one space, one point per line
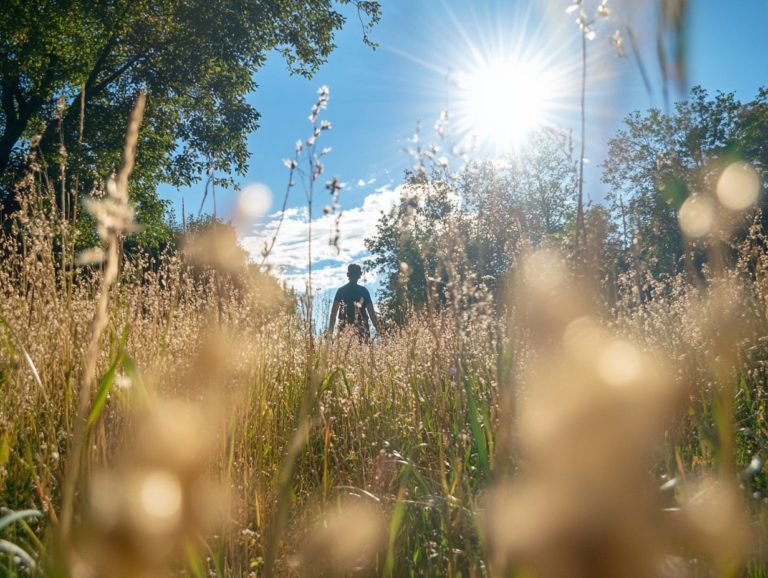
16 552
132 371
394 529
12 517
194 561
105 385
479 440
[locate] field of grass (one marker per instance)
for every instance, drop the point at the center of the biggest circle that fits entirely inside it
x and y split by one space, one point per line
179 417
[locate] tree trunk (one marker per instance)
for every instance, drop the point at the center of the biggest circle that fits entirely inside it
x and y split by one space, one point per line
13 131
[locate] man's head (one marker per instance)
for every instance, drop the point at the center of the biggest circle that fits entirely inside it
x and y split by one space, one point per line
354 272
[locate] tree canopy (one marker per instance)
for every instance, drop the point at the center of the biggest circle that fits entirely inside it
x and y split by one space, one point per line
657 159
474 225
471 227
71 70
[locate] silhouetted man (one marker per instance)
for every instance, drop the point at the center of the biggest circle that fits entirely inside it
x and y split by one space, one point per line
353 307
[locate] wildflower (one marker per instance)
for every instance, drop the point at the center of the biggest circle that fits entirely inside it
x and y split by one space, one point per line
334 186
324 93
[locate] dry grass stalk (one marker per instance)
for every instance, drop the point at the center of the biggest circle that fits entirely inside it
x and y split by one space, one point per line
115 217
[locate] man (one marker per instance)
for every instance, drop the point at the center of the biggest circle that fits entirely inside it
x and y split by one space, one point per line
353 307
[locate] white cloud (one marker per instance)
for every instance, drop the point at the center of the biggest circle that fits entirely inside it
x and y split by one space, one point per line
289 256
361 182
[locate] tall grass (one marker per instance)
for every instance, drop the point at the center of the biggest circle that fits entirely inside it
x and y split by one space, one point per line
552 436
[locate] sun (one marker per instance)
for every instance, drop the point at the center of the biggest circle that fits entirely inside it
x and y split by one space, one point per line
501 101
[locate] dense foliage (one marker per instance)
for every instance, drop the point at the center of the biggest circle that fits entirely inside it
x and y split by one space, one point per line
658 159
488 214
492 212
71 71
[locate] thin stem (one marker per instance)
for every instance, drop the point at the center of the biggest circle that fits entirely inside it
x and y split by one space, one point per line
99 323
580 233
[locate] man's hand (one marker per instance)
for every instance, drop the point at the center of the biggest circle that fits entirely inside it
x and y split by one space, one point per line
372 314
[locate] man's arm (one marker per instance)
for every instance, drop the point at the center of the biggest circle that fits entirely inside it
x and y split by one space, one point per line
372 315
332 320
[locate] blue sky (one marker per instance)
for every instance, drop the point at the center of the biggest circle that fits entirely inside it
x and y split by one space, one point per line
378 97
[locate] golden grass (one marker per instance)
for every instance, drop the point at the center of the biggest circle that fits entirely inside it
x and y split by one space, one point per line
187 425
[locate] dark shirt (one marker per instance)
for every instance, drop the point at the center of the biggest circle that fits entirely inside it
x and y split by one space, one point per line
353 300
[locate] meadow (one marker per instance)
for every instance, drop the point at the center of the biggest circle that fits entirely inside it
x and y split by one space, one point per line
178 416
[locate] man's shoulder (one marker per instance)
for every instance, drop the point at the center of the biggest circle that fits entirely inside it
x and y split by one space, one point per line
352 291
365 294
344 290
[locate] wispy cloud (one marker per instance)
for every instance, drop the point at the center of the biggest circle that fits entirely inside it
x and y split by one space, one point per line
289 256
362 182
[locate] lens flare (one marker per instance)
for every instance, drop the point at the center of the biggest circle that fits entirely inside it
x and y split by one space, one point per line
697 216
738 186
160 498
254 201
620 363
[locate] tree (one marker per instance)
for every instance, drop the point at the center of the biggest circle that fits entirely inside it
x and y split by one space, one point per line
407 242
522 200
458 231
656 159
71 70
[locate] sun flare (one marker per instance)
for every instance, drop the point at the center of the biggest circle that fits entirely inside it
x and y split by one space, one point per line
502 101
